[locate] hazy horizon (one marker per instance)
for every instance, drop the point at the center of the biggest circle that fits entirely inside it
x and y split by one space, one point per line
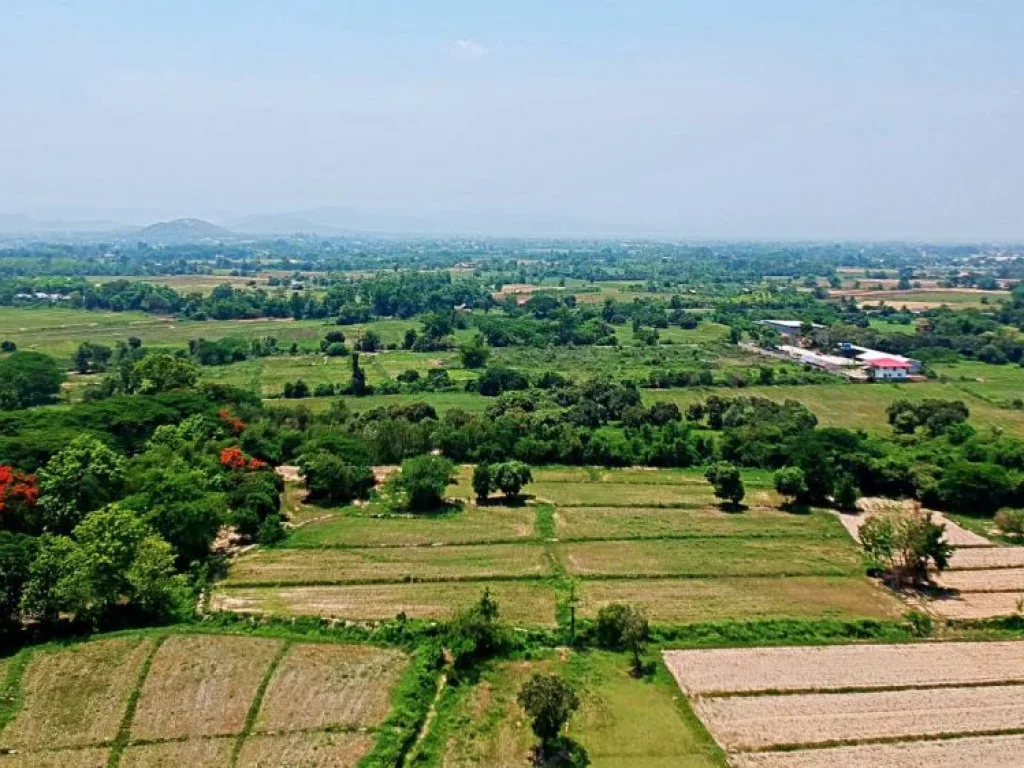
736 120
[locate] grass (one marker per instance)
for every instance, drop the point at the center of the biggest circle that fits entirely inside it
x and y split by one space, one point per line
1001 383
523 603
473 524
89 757
195 753
858 406
337 566
441 401
713 557
306 750
622 721
618 523
684 601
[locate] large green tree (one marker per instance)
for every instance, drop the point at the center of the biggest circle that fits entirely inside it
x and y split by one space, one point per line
80 478
27 379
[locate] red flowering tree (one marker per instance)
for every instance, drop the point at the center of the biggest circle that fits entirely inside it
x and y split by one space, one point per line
236 425
18 495
233 458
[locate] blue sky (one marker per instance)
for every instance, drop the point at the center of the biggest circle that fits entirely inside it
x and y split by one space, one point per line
790 119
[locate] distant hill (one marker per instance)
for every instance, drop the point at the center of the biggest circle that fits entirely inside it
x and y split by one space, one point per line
283 224
183 231
19 224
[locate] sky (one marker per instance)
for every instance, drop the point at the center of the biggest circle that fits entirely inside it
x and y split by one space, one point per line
790 119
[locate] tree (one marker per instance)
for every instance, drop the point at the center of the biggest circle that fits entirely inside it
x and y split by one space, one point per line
8 346
358 386
482 481
91 357
163 373
635 632
791 482
27 379
57 581
974 488
422 481
476 632
17 551
846 492
19 494
549 703
727 482
78 479
905 544
332 481
474 354
510 476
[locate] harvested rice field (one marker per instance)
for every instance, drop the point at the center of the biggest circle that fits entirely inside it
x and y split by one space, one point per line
689 600
316 686
987 557
830 668
76 696
602 494
758 722
522 603
305 750
57 758
976 605
981 752
927 704
382 564
194 753
201 686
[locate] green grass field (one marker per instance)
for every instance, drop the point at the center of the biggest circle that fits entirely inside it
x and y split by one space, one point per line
654 537
998 382
486 726
859 406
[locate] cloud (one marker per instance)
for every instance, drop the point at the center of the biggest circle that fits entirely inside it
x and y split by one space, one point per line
467 50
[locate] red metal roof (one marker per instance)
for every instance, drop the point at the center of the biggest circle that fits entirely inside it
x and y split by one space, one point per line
887 362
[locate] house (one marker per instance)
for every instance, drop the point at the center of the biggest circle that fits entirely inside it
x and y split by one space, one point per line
888 369
789 328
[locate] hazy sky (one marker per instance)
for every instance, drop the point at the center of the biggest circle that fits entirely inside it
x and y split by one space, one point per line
720 118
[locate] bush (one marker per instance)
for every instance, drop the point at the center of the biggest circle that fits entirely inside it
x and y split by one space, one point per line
332 481
905 545
476 633
271 531
1011 522
791 482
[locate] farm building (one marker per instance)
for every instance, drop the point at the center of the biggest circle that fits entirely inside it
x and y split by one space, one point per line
790 328
888 369
869 356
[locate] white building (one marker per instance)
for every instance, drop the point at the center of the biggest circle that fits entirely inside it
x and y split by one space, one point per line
789 327
888 369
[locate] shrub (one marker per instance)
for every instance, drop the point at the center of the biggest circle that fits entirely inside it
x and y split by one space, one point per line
549 702
727 482
905 545
423 480
1010 522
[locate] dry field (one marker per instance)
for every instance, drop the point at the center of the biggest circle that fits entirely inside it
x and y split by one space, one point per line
790 707
305 750
832 668
194 753
758 722
201 686
688 600
982 752
76 696
58 758
522 603
605 494
336 566
328 685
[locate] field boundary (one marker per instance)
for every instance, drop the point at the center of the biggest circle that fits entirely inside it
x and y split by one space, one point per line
257 702
123 738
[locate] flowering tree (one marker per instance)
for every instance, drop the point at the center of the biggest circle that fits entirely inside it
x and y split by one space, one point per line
18 494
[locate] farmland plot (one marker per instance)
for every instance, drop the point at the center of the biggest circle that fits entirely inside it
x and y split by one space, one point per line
194 753
522 603
296 566
76 696
750 670
884 704
91 757
201 686
327 685
305 750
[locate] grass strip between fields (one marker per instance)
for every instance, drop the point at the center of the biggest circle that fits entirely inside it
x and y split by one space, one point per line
124 732
257 701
